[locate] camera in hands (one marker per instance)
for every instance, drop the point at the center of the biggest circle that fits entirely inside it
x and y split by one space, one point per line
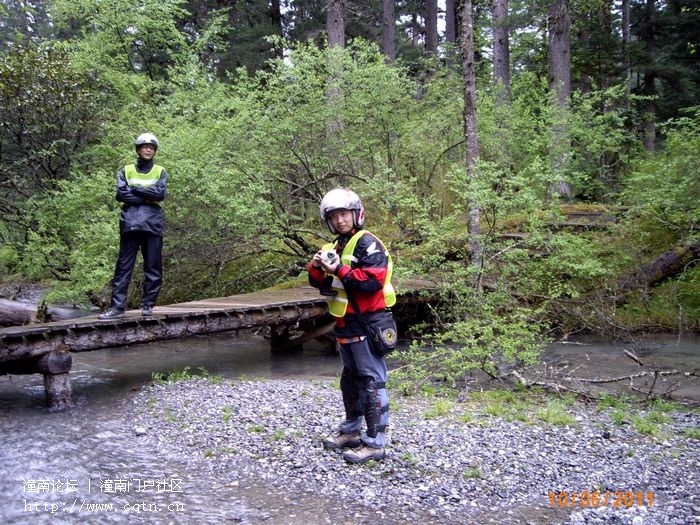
329 256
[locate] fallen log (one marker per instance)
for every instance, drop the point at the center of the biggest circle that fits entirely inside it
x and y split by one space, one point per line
667 265
16 312
58 313
577 385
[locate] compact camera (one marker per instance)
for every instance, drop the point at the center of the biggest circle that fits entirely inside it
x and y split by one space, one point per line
329 256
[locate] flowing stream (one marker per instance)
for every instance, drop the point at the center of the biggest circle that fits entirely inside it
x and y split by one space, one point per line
69 467
57 466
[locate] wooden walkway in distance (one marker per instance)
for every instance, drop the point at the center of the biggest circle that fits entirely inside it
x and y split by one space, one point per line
46 348
167 322
300 309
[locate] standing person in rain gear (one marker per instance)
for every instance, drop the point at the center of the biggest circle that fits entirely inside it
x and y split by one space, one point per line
356 263
141 190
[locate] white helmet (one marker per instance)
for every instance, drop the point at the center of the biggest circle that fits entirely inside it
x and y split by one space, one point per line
146 138
342 199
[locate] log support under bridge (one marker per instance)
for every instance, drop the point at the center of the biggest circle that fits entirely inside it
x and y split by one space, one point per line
55 366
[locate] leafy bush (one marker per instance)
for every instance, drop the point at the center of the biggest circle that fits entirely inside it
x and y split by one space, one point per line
665 189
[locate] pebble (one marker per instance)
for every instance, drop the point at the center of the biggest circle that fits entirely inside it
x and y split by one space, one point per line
444 469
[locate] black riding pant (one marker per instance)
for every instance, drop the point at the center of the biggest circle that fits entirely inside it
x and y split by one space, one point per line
151 247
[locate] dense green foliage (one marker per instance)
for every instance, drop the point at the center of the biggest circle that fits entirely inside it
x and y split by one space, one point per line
250 152
664 192
49 112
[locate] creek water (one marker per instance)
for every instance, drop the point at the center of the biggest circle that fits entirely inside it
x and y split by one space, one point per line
65 467
591 360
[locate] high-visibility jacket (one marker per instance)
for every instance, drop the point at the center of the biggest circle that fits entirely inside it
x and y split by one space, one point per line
141 188
134 178
339 302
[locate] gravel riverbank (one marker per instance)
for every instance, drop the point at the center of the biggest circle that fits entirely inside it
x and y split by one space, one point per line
446 463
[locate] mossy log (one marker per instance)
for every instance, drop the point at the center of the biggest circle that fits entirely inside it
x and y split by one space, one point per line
667 265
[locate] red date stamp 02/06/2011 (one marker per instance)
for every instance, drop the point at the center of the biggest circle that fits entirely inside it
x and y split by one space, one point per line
615 499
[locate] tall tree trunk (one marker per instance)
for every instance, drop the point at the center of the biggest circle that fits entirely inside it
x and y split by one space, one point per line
415 29
559 62
501 50
559 56
470 132
649 86
431 36
335 23
335 27
626 48
451 32
608 77
275 11
451 21
389 37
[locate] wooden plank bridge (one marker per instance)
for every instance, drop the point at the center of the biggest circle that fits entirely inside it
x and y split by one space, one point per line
46 347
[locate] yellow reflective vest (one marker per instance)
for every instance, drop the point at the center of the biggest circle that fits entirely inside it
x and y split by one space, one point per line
134 178
338 304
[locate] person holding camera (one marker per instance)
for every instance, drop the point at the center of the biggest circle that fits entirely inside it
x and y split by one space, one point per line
357 265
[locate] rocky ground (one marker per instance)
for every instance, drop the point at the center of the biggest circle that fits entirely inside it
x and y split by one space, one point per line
449 463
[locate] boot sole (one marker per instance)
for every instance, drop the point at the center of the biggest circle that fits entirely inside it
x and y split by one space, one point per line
349 444
365 459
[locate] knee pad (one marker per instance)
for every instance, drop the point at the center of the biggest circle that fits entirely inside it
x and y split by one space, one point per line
373 410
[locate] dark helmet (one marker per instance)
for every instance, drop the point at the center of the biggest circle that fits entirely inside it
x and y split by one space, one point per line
146 138
342 199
